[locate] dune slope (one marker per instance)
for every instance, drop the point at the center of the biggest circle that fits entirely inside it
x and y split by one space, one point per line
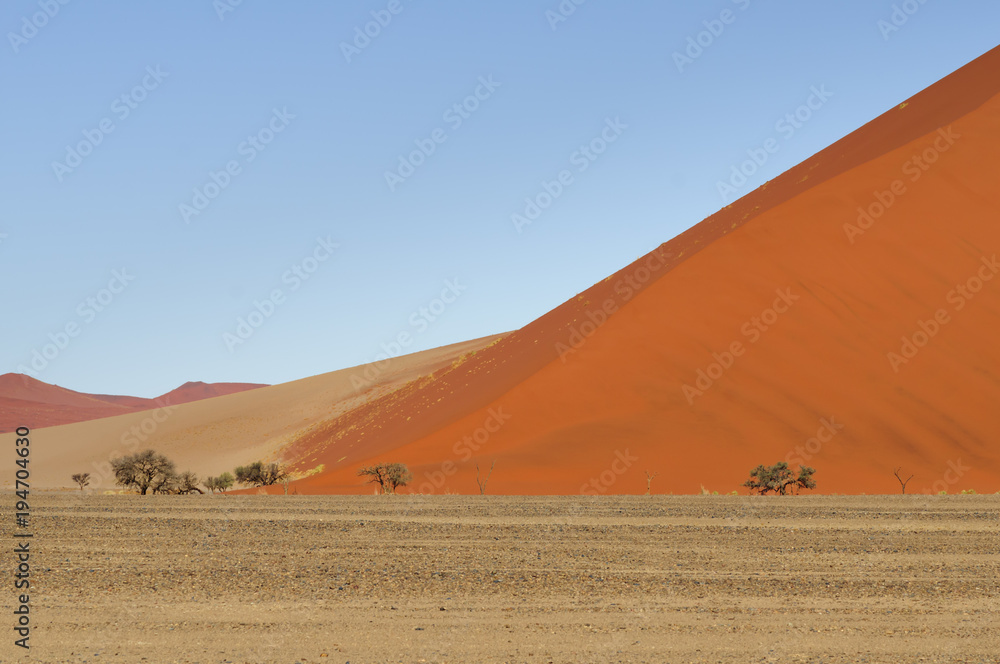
840 316
215 434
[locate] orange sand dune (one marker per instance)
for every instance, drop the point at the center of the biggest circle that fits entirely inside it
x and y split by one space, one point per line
25 401
842 315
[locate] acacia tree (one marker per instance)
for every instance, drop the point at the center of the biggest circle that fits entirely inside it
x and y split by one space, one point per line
398 475
83 479
144 471
805 480
165 484
187 482
779 479
258 474
388 476
176 484
221 483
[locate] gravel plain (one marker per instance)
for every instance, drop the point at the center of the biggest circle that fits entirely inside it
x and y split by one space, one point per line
323 579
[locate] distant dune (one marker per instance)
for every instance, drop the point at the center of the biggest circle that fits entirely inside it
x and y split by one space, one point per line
25 401
843 316
197 391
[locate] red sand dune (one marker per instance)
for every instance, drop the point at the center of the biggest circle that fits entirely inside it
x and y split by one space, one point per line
196 391
25 401
784 314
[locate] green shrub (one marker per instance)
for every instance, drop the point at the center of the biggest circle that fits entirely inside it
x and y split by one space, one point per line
779 479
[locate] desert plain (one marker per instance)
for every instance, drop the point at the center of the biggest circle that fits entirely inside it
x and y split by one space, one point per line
408 578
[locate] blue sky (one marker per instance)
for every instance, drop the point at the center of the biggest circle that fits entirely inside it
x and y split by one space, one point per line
309 117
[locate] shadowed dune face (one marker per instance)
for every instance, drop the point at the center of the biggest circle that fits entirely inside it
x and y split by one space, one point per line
841 316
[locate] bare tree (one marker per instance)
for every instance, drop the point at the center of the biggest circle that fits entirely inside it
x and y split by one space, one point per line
482 482
649 480
83 479
376 475
902 484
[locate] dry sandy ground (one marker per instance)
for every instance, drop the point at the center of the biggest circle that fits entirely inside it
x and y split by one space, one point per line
489 579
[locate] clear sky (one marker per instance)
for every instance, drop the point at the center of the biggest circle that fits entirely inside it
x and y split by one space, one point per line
120 120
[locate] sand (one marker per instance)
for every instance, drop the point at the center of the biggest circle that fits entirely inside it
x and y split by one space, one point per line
214 435
491 579
784 327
